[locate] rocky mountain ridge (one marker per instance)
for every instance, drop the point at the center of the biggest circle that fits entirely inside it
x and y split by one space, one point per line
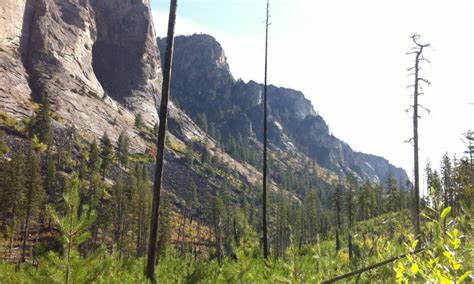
98 62
203 84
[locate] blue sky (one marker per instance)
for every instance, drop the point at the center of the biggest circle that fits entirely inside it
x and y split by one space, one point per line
235 17
349 59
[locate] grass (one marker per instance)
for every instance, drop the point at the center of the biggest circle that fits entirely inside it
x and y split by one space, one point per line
375 240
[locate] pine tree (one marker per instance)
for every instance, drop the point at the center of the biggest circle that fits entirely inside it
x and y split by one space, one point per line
50 182
122 149
139 121
41 123
217 211
120 212
352 182
189 156
34 195
337 203
4 178
164 233
446 177
469 141
94 158
106 154
13 198
393 192
74 225
3 146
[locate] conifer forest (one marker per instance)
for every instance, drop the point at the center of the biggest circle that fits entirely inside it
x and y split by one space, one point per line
129 152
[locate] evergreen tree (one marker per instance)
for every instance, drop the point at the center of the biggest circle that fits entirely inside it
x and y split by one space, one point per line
352 182
393 193
94 158
122 149
13 197
469 140
120 207
189 156
337 203
3 146
34 195
74 225
139 121
217 212
4 178
50 182
164 233
106 154
40 124
201 121
446 177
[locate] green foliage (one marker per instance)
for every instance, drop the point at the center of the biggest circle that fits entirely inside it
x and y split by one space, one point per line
35 193
122 149
3 146
40 124
106 154
11 122
139 121
37 144
448 255
70 267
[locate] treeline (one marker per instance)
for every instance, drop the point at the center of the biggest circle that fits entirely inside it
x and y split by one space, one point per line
38 179
117 187
453 183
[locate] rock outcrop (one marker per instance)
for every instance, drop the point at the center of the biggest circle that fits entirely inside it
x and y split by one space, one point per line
15 23
97 61
203 84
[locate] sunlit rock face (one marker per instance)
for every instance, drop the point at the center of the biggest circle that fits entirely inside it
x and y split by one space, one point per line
203 84
97 61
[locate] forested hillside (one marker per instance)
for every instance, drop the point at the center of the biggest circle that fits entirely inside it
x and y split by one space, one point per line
85 130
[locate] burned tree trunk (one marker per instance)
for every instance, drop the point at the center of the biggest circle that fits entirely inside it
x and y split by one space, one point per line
264 193
418 51
150 269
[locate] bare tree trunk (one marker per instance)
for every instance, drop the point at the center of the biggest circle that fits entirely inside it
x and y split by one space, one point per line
419 57
264 193
150 269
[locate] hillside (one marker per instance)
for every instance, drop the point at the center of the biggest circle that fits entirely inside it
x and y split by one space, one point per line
81 145
99 77
203 86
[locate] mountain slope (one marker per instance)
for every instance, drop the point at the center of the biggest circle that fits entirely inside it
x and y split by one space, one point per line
98 63
203 86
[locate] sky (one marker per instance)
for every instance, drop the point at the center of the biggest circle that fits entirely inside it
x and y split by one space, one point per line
349 58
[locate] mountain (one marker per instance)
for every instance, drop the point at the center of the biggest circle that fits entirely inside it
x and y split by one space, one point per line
202 84
99 64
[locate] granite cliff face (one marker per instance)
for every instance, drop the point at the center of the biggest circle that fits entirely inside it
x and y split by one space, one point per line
14 88
203 84
98 62
55 48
